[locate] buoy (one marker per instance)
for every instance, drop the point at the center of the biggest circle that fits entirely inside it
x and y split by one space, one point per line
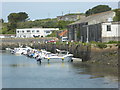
48 59
62 59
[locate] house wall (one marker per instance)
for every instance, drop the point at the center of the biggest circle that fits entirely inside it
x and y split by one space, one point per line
113 32
7 36
112 35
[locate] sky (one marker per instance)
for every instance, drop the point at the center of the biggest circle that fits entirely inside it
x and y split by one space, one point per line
42 10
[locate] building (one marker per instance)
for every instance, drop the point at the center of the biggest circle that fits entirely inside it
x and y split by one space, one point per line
34 32
70 17
110 31
63 33
7 35
0 24
98 27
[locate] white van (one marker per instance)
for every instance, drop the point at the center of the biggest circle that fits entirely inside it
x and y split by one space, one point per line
64 39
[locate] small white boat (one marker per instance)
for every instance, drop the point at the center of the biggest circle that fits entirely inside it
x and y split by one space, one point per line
62 55
19 51
9 49
43 54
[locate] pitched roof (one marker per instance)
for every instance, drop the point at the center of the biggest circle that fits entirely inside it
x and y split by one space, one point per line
63 33
94 16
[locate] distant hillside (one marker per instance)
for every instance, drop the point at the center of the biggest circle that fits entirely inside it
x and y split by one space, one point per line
45 23
75 14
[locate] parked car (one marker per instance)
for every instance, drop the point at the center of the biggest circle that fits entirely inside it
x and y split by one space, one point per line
51 41
64 39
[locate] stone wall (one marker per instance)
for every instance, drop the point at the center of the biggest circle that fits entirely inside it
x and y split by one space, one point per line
70 17
88 53
108 56
16 42
107 39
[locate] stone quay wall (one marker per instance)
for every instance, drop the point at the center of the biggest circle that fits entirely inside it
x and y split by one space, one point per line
88 53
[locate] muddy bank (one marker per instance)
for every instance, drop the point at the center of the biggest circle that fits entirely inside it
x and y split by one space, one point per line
108 56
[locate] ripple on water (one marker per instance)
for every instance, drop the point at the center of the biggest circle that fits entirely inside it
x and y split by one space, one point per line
22 72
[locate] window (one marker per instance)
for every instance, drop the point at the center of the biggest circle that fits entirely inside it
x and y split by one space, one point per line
47 31
33 30
28 30
108 27
36 36
37 30
23 31
17 31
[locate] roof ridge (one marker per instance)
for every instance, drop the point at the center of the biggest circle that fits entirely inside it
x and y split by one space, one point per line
100 13
91 16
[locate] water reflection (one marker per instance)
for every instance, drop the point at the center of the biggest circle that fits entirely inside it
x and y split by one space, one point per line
21 65
53 64
22 72
97 71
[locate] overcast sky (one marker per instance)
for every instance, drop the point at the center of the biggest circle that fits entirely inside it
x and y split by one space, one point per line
40 10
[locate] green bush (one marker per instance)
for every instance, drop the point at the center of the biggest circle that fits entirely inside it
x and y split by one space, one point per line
113 42
93 42
101 45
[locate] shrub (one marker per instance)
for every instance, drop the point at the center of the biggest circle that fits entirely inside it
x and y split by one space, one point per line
93 42
101 45
112 42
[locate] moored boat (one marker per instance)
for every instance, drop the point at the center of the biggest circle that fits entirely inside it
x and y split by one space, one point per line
20 50
60 56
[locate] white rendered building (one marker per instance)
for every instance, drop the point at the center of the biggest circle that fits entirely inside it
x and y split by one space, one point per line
110 31
34 32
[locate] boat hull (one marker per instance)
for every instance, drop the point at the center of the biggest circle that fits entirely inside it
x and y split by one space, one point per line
56 59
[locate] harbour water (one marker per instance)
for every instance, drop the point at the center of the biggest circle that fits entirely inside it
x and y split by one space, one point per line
24 72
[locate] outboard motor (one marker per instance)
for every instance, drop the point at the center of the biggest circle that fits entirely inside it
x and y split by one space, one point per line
39 59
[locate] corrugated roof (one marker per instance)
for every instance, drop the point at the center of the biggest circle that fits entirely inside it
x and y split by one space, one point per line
91 17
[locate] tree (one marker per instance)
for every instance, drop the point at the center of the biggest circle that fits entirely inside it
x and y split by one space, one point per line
1 21
97 9
117 16
14 18
11 26
63 24
22 16
17 17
